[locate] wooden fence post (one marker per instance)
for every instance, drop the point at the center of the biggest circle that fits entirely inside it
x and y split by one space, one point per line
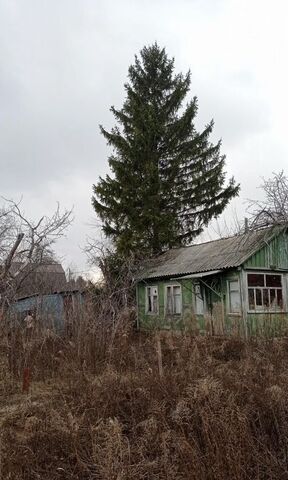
26 380
159 356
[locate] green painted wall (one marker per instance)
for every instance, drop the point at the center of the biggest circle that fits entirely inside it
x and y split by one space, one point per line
210 322
217 319
274 255
161 320
267 324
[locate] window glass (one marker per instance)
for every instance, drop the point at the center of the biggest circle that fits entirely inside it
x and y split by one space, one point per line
273 281
234 297
173 299
169 301
234 285
265 292
149 303
266 301
279 298
155 304
152 300
199 302
176 290
177 304
255 280
235 302
273 301
258 296
251 299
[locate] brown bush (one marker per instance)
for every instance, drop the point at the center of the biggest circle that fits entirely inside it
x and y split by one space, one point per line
219 409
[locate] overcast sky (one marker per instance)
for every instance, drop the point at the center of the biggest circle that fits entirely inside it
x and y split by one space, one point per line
63 63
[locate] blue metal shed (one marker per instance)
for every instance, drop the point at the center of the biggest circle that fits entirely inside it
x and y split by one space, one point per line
51 310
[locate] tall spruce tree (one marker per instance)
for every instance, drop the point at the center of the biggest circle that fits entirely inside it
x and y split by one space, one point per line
168 180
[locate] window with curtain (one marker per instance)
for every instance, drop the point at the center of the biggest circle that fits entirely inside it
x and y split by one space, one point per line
173 300
152 299
234 296
199 301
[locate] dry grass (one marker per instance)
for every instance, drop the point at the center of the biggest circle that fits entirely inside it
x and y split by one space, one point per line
219 411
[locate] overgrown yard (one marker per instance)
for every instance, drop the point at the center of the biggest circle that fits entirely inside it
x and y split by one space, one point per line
218 410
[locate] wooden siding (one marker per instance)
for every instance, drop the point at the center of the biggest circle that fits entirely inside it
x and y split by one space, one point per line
273 256
216 319
267 324
210 322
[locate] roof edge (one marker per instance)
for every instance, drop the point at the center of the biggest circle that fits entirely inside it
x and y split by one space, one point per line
183 275
272 231
274 234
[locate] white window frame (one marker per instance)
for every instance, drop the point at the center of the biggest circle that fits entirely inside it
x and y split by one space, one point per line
173 285
147 311
229 310
261 308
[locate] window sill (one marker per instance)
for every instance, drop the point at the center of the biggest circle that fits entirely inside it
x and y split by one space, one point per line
268 311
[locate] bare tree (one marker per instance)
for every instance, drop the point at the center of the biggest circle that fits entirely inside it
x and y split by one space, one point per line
273 210
117 276
24 243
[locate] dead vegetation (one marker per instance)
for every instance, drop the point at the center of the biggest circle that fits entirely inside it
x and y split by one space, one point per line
217 409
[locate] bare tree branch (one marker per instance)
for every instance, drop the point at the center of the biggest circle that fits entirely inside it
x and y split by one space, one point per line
9 259
36 238
273 210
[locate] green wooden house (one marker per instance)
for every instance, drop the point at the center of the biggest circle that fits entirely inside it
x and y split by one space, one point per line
231 285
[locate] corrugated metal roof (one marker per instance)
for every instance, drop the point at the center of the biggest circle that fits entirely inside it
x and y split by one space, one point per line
43 277
61 292
215 255
52 267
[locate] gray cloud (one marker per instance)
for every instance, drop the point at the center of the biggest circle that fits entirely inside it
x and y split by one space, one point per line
63 64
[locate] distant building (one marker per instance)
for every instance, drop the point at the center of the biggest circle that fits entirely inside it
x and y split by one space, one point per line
55 311
46 277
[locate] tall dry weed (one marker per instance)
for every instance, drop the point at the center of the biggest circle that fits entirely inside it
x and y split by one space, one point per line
99 408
